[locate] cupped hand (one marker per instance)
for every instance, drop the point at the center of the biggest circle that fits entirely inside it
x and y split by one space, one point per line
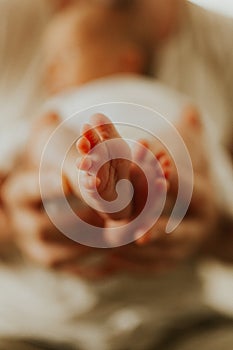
158 251
34 233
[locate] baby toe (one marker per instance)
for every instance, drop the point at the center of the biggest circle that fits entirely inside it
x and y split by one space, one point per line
91 135
104 126
83 145
84 163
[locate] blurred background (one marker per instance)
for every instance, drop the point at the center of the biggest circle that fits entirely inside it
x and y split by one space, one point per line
224 7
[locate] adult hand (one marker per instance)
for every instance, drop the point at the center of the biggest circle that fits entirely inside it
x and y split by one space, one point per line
35 234
156 250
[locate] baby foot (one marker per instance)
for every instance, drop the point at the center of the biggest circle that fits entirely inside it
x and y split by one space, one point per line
149 173
144 155
102 166
156 170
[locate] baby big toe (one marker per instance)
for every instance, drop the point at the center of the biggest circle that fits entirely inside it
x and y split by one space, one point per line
83 145
104 126
91 135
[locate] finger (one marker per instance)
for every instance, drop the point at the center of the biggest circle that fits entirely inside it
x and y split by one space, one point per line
24 189
44 245
51 255
188 230
89 273
132 266
89 269
143 254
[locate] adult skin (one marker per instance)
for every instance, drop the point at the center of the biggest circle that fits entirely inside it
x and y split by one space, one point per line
42 242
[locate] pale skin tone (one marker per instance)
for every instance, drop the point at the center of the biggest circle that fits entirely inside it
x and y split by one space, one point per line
158 251
100 130
154 252
106 179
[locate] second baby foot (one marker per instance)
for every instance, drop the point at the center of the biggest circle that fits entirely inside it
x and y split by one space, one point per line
102 147
149 174
156 171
